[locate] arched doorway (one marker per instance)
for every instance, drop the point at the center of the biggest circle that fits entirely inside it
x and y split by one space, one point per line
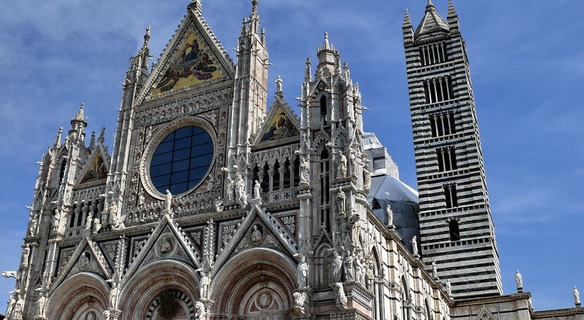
255 284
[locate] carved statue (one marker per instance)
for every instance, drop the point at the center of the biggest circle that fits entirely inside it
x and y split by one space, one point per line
9 274
304 171
256 234
336 266
113 296
25 255
32 229
240 195
389 215
341 298
205 282
168 201
219 205
341 203
434 270
279 84
88 221
299 301
41 304
56 219
518 281
117 218
359 272
302 272
256 190
18 308
348 265
342 172
448 288
576 296
11 303
199 310
84 260
96 225
230 189
366 178
415 246
106 315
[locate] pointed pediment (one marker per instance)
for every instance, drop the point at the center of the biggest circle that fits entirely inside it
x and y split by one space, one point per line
259 229
193 58
96 169
280 123
167 241
85 257
485 314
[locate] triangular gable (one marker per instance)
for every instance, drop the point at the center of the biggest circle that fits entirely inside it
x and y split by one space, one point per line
96 169
485 314
193 57
281 123
87 257
260 228
166 242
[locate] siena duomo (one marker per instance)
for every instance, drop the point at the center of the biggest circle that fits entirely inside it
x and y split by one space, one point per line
219 202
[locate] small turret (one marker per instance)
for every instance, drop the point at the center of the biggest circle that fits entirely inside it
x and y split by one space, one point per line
78 125
327 58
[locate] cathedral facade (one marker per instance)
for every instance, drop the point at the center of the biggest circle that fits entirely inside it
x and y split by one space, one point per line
219 202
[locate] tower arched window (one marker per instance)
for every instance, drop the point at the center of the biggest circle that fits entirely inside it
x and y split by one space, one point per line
450 195
454 230
323 109
62 170
324 191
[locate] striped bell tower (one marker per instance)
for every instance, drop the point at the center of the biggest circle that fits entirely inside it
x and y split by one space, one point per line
456 227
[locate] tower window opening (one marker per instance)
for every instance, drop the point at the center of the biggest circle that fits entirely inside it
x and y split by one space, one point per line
438 89
276 179
287 174
446 159
450 195
442 124
433 53
325 183
454 230
323 109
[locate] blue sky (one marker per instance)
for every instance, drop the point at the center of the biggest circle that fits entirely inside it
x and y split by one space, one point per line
527 63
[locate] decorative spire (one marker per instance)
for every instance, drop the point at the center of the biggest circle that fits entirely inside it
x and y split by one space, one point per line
407 21
254 9
452 17
58 139
307 70
147 36
408 30
92 140
80 116
254 18
326 45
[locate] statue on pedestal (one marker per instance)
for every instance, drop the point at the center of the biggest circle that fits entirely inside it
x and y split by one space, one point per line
518 281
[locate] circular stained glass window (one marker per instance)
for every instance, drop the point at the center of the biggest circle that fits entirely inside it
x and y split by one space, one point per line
181 160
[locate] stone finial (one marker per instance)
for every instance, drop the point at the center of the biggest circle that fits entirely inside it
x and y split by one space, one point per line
577 301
